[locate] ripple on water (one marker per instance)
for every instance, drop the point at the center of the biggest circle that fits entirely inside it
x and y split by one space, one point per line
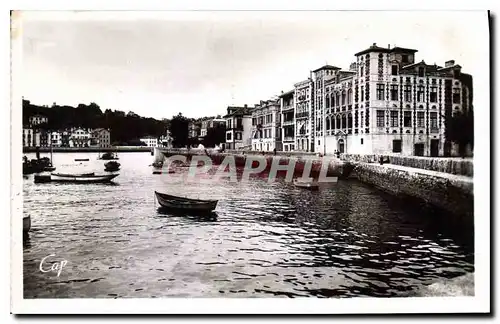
269 240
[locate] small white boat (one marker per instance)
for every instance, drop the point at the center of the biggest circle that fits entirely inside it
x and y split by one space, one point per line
55 177
75 178
306 185
26 223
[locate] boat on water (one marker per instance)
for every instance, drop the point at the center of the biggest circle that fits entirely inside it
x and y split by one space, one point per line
26 224
306 185
90 174
111 166
75 178
109 156
81 160
185 205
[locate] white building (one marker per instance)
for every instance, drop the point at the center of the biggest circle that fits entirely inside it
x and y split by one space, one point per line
28 138
55 139
266 126
302 99
287 105
37 120
238 127
386 103
150 141
79 138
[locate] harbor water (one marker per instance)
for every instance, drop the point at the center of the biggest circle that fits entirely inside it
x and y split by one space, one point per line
265 240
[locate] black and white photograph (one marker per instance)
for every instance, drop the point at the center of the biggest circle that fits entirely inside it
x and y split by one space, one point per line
202 161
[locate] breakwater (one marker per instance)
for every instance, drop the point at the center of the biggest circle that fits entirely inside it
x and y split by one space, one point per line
449 192
88 149
439 182
311 165
456 166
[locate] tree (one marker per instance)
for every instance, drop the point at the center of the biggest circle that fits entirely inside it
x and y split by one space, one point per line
215 136
459 128
179 130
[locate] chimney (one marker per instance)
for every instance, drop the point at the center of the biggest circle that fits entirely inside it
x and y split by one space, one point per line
389 46
449 63
374 44
245 105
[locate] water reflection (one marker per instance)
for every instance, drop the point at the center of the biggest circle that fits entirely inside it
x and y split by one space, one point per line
265 239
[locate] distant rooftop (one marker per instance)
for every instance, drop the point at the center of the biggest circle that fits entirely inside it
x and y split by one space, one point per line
388 49
327 67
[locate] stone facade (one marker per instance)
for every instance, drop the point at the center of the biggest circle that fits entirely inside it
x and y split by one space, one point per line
266 126
385 103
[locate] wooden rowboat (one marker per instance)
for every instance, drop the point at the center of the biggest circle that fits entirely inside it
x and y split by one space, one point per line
75 174
76 178
81 160
185 205
306 185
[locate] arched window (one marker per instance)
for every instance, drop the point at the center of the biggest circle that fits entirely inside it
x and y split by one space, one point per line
338 123
343 97
349 96
327 101
328 123
344 121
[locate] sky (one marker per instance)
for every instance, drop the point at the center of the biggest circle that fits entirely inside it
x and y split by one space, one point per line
158 64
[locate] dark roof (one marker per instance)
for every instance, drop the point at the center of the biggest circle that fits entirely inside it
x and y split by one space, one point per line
238 111
375 48
402 49
287 93
327 67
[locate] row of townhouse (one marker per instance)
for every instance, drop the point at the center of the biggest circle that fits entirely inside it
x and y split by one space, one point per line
385 103
75 137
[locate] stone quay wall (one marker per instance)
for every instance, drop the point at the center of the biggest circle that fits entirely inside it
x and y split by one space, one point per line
336 167
452 193
457 166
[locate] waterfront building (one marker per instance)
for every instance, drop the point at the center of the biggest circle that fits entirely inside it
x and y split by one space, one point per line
38 120
287 106
150 141
55 139
28 137
194 129
266 126
386 103
209 123
65 138
303 116
100 137
238 127
79 138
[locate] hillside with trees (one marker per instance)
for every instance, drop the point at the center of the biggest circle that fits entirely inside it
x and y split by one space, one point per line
125 127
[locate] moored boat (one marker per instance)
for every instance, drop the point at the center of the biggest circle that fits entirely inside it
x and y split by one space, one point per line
111 166
75 178
81 160
109 156
185 205
306 185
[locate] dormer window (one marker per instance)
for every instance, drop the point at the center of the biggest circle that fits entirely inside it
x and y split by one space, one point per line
404 58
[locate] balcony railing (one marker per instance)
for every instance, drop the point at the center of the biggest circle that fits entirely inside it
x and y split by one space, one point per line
304 114
288 138
289 107
288 122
